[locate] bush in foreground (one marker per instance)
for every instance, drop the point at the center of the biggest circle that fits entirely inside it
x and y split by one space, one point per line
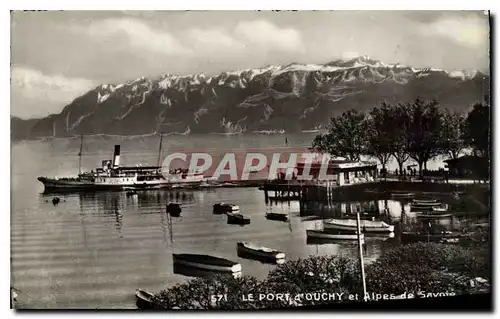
427 267
412 268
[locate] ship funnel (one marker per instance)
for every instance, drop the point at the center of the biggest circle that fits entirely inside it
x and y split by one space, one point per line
116 156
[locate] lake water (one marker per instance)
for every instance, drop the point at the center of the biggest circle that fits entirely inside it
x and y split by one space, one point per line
94 250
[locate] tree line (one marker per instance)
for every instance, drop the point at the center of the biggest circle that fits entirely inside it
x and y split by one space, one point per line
419 130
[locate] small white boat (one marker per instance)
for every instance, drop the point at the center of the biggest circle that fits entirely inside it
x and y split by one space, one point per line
428 208
373 226
207 262
425 201
402 195
221 208
249 249
433 215
324 234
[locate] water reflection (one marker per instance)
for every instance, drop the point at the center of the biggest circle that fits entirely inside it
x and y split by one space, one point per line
396 212
111 200
138 226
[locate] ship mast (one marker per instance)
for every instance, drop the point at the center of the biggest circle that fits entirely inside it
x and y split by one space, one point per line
80 155
159 149
360 250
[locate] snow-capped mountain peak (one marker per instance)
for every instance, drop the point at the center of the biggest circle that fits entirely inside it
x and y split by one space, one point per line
293 96
362 68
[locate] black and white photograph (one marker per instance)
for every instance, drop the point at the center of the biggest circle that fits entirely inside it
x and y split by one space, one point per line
250 160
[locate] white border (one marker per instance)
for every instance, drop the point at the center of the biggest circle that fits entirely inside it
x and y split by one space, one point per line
179 5
252 5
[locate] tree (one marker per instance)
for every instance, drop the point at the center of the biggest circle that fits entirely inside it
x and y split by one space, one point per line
477 132
400 125
345 137
424 131
452 131
379 131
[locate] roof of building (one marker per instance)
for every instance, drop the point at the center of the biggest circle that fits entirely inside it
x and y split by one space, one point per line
341 164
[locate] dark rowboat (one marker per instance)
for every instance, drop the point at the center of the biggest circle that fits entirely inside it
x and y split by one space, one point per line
277 216
206 262
144 299
174 209
189 271
261 253
238 219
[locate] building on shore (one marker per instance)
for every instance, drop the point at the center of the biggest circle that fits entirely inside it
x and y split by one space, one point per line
342 172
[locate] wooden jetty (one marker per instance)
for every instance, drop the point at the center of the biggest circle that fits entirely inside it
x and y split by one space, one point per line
313 196
282 190
351 182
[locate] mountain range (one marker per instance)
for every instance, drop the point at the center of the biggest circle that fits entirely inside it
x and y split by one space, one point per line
291 98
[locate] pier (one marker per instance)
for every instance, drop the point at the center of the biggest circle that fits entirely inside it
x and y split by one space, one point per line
279 190
320 198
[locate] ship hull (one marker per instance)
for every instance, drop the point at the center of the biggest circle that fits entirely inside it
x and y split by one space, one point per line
67 184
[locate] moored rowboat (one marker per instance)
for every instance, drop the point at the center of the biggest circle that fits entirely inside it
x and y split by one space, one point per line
233 218
351 224
207 262
277 216
245 248
189 271
144 299
314 233
425 201
433 215
402 195
426 208
221 208
174 209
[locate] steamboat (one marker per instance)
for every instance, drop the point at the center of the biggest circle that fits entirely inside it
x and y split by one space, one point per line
112 176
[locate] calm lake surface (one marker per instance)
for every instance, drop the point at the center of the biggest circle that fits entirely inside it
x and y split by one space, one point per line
94 250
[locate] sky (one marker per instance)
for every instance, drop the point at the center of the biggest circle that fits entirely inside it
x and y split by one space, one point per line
57 56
